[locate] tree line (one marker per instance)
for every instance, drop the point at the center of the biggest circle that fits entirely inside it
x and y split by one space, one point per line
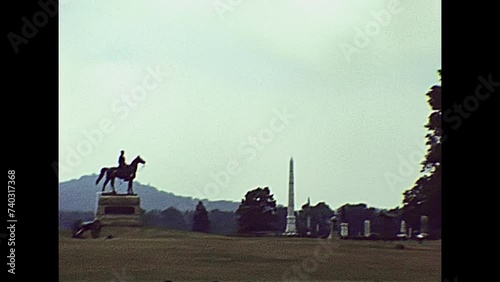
259 214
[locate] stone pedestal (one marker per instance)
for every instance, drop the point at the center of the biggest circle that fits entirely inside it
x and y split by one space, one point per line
118 210
291 229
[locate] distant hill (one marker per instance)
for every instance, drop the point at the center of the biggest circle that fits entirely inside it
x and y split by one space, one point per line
80 195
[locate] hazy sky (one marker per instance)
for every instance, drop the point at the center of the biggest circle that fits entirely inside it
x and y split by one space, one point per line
217 95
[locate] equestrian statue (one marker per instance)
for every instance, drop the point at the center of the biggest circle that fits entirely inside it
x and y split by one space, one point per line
123 171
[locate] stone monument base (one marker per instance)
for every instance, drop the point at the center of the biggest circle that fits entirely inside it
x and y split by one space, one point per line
291 227
119 210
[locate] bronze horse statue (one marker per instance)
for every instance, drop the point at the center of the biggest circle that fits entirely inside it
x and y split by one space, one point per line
126 173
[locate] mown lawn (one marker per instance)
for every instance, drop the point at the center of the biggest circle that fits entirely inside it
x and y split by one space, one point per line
154 254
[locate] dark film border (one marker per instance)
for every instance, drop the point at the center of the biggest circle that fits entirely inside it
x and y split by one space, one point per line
31 137
468 61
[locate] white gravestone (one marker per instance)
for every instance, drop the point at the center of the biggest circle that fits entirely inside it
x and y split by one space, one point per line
344 230
333 219
402 230
367 228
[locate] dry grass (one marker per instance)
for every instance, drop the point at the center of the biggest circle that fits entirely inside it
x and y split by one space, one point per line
152 254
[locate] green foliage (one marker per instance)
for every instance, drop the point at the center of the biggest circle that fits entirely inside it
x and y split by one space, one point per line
257 211
279 225
223 222
151 218
424 198
172 218
319 218
201 223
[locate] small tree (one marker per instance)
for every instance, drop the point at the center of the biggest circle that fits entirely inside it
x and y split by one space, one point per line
201 223
257 211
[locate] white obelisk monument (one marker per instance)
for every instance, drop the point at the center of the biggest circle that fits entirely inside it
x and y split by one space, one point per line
291 227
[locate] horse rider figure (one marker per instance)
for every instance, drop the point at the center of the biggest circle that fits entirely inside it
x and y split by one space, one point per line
121 162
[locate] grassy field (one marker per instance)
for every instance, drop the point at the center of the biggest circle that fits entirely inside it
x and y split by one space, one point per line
153 254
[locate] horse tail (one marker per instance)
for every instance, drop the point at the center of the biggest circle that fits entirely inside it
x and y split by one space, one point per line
103 171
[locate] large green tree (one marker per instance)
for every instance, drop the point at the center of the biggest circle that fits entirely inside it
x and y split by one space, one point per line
425 196
257 211
200 219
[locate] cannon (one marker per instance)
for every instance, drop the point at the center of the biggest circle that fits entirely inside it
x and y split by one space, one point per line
81 226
